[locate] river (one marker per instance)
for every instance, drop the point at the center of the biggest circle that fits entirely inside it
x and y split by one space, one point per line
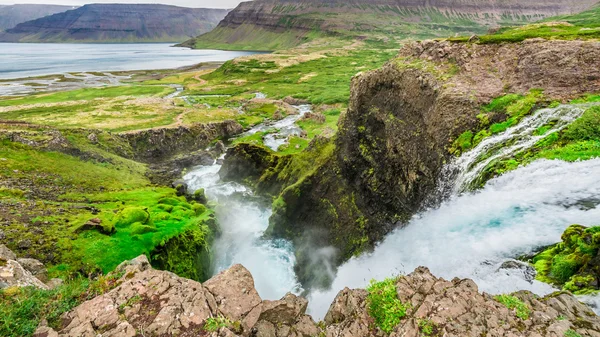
20 60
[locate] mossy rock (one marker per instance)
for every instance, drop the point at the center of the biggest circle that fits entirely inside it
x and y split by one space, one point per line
199 208
200 196
139 228
130 215
165 207
572 263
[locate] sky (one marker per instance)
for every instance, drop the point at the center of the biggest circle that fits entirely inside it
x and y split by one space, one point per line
184 3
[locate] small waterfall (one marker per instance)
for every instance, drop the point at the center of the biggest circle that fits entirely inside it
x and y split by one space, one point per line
463 171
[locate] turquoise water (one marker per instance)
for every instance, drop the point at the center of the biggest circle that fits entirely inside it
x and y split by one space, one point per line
18 60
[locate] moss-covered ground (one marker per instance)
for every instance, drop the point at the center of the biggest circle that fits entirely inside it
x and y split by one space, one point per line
571 264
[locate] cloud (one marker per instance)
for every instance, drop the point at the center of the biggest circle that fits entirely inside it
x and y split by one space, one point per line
183 3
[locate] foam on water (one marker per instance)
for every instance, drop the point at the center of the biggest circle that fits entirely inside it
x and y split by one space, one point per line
471 235
243 221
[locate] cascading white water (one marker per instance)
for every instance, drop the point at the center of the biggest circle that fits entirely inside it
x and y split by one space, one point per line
243 220
472 234
465 169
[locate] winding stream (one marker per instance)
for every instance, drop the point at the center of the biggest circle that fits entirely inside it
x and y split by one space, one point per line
469 235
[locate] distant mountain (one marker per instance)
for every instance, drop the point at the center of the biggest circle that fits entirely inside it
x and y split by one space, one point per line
12 15
277 24
118 23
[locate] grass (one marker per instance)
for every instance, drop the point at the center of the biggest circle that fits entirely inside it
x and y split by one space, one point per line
136 218
582 26
572 333
384 306
22 309
513 303
86 94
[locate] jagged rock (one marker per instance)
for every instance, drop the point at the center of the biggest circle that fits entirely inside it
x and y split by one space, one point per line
284 311
6 254
12 274
200 196
234 292
456 308
160 303
295 101
220 148
24 244
93 138
35 267
2 235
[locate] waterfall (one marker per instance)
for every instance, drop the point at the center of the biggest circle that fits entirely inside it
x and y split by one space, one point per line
471 235
457 176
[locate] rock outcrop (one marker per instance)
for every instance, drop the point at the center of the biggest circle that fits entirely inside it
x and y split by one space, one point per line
393 141
118 23
158 303
22 272
296 22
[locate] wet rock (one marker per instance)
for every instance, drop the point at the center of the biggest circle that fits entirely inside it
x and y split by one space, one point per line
35 267
295 101
284 311
180 187
525 269
220 148
200 196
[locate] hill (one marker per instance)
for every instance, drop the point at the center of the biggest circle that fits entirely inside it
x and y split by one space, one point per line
12 15
278 24
118 23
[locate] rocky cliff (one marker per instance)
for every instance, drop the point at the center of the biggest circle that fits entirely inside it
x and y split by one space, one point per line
12 15
118 23
277 24
157 303
396 135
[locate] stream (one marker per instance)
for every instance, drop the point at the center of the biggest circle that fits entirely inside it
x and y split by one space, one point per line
470 235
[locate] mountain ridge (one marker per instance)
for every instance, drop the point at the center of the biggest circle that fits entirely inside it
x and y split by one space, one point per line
12 15
118 23
280 24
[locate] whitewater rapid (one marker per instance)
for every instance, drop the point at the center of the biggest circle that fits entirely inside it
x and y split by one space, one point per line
469 236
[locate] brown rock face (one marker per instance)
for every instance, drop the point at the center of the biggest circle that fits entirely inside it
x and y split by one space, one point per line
159 303
456 308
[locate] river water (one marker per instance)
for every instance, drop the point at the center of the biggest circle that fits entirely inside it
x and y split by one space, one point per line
19 60
469 235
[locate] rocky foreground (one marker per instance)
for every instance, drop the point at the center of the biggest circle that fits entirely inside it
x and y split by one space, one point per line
150 302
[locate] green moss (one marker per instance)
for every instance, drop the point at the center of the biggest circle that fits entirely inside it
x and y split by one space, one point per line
427 327
21 309
570 263
513 303
384 306
130 215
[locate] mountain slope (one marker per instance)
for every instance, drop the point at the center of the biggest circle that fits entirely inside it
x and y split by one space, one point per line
276 24
118 23
12 15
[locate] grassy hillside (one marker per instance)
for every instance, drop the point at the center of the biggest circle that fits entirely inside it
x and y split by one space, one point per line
582 26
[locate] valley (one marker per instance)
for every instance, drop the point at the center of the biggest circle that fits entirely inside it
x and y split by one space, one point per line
360 152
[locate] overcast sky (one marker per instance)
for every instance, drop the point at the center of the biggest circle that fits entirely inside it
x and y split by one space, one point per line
185 3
